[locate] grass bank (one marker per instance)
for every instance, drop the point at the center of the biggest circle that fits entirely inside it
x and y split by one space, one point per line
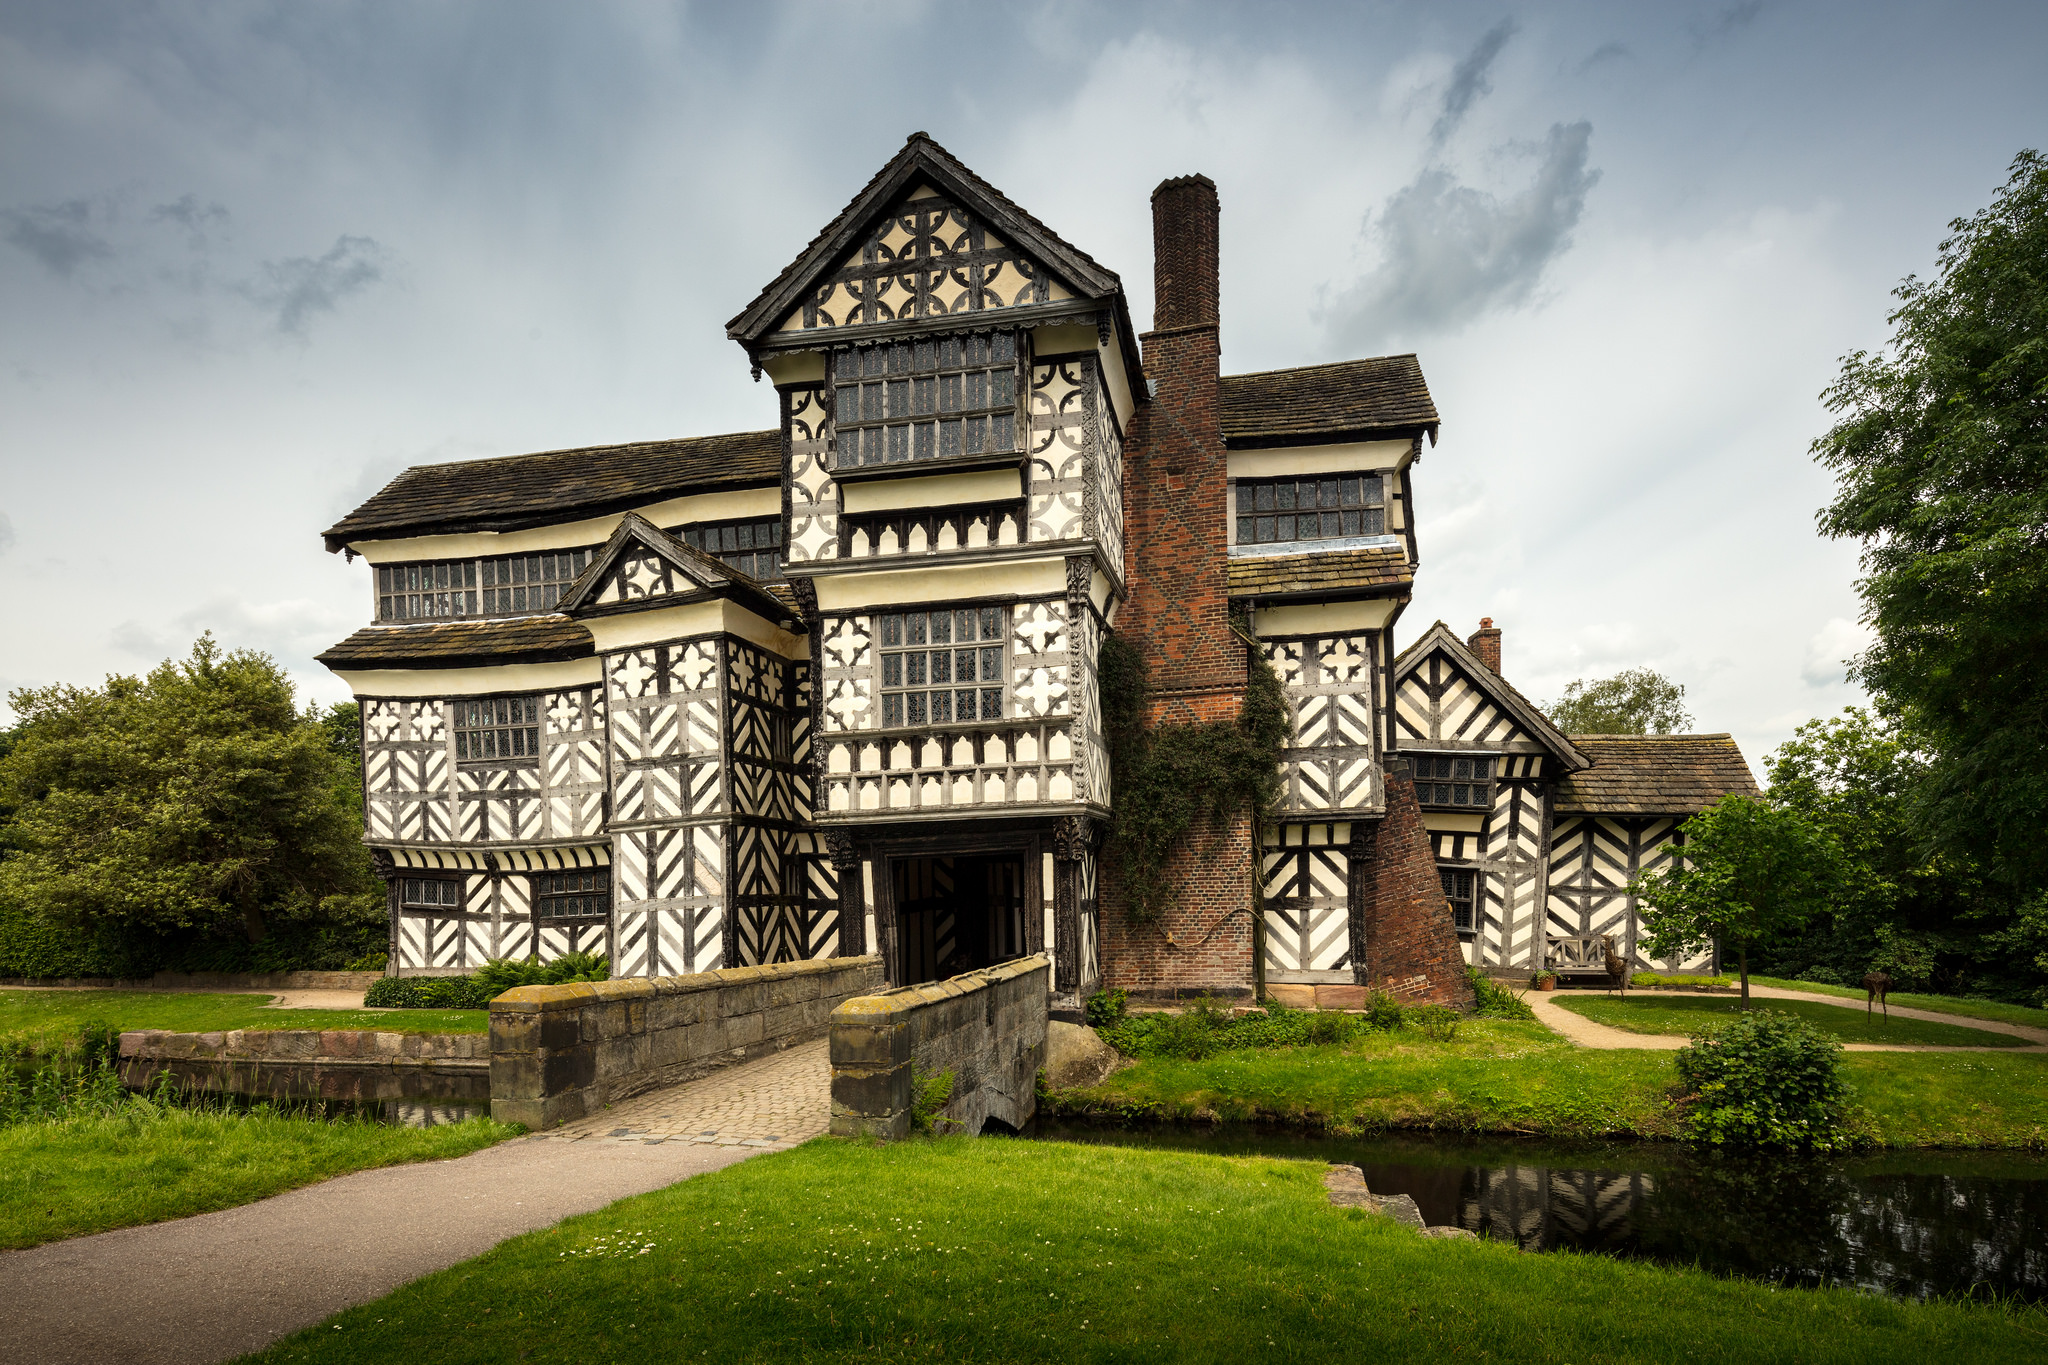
1501 1076
1969 1007
145 1163
1688 1014
37 1019
983 1249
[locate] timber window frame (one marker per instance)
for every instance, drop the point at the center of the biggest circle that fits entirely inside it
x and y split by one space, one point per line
929 400
573 893
1461 891
753 545
433 590
429 894
1455 781
1300 507
531 583
933 662
495 729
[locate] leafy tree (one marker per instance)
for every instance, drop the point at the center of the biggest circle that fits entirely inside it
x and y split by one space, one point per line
1635 701
1940 457
1751 871
196 799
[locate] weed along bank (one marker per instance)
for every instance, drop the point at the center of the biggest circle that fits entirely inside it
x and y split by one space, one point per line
996 578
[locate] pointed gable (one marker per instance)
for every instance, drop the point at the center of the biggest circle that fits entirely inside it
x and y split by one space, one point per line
927 238
642 565
1444 696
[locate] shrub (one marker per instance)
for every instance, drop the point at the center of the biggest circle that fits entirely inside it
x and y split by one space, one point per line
929 1093
1765 1079
1679 981
370 962
487 983
425 993
1438 1023
1106 1007
1494 1001
1383 1012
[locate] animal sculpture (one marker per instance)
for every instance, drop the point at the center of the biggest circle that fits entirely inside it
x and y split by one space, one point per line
1876 986
1617 966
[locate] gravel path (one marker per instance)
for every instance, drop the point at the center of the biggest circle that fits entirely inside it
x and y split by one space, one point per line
1586 1033
222 1284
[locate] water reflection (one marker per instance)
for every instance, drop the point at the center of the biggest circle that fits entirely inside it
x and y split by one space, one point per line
1931 1223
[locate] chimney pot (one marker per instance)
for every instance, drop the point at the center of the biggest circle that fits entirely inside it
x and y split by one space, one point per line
1485 643
1185 260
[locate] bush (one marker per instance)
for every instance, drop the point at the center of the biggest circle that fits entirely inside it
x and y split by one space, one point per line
487 983
1438 1023
1678 981
1106 1007
1383 1012
1492 1000
1765 1079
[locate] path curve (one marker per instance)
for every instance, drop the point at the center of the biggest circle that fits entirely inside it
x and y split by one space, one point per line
1583 1031
219 1285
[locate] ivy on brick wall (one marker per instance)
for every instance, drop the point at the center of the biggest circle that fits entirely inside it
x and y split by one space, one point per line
1167 777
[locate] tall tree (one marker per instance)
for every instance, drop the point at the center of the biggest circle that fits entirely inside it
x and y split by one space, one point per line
1752 871
195 799
1940 458
1635 701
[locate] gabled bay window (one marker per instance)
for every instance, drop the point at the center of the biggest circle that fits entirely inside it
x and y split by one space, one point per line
934 398
943 666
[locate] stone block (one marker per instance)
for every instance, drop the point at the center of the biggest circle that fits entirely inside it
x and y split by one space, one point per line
782 1021
1340 997
515 1077
526 1110
1293 995
878 1092
389 1045
869 1045
890 1128
569 1070
707 1039
743 1029
747 997
560 1029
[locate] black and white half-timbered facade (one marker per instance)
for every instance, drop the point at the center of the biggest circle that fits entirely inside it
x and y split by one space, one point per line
830 687
1537 833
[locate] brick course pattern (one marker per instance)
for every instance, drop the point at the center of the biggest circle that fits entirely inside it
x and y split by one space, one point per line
1202 943
559 1053
1411 939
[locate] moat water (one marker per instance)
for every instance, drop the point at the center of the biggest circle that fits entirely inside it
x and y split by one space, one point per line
1917 1225
407 1096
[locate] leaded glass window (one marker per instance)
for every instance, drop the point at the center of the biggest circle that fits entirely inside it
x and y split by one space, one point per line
752 547
1458 890
945 666
938 398
429 893
1458 782
420 592
529 583
579 893
1311 507
497 727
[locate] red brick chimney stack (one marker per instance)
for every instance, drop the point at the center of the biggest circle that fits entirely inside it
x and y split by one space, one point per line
1485 642
1174 473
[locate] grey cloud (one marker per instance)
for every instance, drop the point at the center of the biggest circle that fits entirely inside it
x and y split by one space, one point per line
61 236
197 219
1469 80
1606 52
1726 22
304 285
1450 253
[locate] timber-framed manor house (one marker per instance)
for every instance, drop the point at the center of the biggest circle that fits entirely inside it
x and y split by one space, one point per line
830 687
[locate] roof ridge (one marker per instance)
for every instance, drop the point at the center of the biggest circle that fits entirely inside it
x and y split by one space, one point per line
607 446
1323 365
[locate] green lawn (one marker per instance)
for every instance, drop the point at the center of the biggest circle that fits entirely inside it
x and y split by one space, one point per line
1939 1004
40 1017
1504 1077
1690 1013
66 1177
984 1249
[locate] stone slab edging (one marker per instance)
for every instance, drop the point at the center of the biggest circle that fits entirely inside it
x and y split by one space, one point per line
987 1027
329 1047
560 1053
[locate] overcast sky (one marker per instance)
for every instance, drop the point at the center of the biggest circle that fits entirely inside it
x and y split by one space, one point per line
256 259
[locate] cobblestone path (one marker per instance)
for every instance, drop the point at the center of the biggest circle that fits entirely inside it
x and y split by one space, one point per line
777 1101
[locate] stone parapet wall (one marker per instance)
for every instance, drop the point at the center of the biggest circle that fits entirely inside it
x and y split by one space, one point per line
559 1053
987 1027
329 1047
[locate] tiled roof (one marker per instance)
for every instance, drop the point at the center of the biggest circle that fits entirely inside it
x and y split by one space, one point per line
558 485
1326 571
462 644
920 146
1386 393
1653 775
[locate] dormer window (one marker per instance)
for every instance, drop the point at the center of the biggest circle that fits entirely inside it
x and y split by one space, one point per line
753 547
936 398
1310 507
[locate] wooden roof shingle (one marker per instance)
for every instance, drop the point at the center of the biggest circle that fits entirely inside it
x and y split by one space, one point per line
516 491
462 644
1347 400
1374 567
1653 775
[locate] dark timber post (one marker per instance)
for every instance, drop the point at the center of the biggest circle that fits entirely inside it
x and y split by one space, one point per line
852 903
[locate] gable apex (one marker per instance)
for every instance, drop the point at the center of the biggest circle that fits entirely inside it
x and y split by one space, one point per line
641 563
1439 638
